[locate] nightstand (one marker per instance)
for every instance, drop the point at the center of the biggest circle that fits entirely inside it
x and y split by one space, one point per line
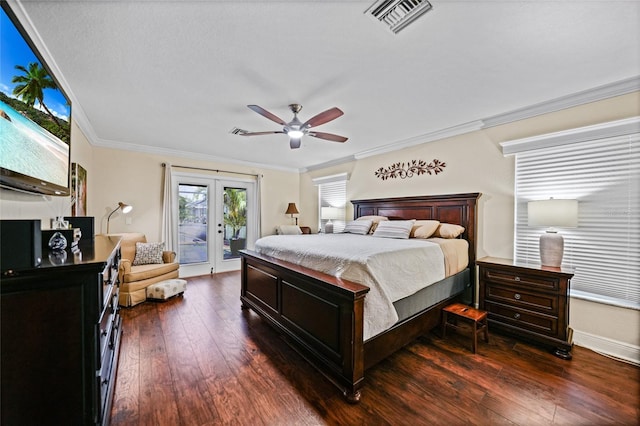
527 300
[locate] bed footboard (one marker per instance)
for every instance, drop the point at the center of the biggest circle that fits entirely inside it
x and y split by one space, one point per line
322 315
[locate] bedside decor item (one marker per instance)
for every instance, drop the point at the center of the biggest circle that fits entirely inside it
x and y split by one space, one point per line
552 213
126 208
330 213
411 168
291 210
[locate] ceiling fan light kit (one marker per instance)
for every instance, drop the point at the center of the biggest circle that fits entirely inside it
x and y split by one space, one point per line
296 129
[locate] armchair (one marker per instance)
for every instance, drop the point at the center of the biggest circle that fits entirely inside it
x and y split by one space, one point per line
134 279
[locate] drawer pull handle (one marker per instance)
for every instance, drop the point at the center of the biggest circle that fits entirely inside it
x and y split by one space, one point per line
104 333
516 316
516 296
516 279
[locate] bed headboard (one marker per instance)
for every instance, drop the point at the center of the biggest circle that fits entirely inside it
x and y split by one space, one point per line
449 208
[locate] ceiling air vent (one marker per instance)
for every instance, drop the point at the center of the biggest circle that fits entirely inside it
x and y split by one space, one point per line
237 131
397 14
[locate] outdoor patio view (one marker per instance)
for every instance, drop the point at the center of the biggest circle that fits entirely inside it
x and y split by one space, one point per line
194 219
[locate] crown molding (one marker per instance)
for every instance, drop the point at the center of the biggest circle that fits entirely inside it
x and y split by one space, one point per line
125 146
420 139
327 164
595 94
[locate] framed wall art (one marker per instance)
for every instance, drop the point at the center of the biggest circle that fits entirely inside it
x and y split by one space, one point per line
78 190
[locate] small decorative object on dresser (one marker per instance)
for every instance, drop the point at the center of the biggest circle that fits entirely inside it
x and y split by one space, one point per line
527 300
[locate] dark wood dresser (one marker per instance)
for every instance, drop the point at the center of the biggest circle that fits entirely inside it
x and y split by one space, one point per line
60 337
527 300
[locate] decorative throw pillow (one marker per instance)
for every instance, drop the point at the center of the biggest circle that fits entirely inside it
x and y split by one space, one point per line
148 253
394 228
424 228
360 227
374 219
288 230
448 230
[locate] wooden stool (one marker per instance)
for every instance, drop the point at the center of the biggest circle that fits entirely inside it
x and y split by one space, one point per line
479 319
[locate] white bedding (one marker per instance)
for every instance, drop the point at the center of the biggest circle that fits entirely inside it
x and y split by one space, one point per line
391 268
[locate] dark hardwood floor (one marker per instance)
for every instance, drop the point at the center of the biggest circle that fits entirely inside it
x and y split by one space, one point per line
202 360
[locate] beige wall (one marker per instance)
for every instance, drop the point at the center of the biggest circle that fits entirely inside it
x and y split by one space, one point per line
136 179
475 164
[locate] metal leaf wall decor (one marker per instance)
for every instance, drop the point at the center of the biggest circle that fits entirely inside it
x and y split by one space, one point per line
413 167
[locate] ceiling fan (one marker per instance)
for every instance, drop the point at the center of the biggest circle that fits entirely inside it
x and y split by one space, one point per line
296 129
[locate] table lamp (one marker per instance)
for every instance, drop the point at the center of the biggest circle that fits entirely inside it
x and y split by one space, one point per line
292 209
330 213
552 213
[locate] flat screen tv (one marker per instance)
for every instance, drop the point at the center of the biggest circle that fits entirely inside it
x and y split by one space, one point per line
35 116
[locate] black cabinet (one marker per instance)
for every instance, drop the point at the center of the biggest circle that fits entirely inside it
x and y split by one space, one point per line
60 337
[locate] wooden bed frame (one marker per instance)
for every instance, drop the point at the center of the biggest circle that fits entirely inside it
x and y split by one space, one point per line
322 316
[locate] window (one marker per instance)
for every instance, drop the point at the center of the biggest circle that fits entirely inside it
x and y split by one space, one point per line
603 174
332 194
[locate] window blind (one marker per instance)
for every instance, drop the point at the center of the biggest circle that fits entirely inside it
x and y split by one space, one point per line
333 194
603 175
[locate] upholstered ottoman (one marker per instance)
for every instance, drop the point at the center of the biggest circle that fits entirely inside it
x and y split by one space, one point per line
166 289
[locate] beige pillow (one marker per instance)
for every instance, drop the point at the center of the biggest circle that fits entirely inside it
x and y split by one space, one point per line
448 230
374 219
424 228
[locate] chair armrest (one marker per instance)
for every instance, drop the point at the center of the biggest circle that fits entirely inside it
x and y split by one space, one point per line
124 268
168 256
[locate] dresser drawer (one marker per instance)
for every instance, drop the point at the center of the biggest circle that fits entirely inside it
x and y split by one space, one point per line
515 296
522 318
514 277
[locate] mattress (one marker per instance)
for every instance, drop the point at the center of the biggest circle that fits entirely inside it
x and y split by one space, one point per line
393 269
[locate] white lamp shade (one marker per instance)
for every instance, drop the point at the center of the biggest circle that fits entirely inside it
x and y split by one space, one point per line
552 212
331 213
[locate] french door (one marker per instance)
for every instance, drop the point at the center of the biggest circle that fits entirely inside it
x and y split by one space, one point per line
216 218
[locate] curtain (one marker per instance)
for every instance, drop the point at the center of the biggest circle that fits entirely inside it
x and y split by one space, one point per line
168 231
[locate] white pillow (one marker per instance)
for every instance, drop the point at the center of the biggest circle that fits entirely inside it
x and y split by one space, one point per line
288 230
360 227
394 228
375 219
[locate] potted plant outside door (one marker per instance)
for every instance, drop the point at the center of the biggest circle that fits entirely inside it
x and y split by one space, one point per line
236 217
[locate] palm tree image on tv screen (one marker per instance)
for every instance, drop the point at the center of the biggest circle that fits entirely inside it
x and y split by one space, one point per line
34 113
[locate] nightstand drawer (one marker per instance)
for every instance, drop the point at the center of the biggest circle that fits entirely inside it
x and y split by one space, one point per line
541 302
520 279
522 318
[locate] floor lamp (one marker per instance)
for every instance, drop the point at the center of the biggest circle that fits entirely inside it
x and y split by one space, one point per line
126 208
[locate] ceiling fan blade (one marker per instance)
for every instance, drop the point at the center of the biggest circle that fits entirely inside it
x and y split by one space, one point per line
260 133
323 117
328 136
263 112
294 143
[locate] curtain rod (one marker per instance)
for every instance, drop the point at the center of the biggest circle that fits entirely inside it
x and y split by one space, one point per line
211 170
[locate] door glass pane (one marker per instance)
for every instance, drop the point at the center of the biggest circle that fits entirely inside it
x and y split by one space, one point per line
192 226
235 221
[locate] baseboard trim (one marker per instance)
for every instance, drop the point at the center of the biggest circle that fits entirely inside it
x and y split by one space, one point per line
613 348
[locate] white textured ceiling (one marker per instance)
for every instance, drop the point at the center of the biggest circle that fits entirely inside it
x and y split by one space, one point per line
171 76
